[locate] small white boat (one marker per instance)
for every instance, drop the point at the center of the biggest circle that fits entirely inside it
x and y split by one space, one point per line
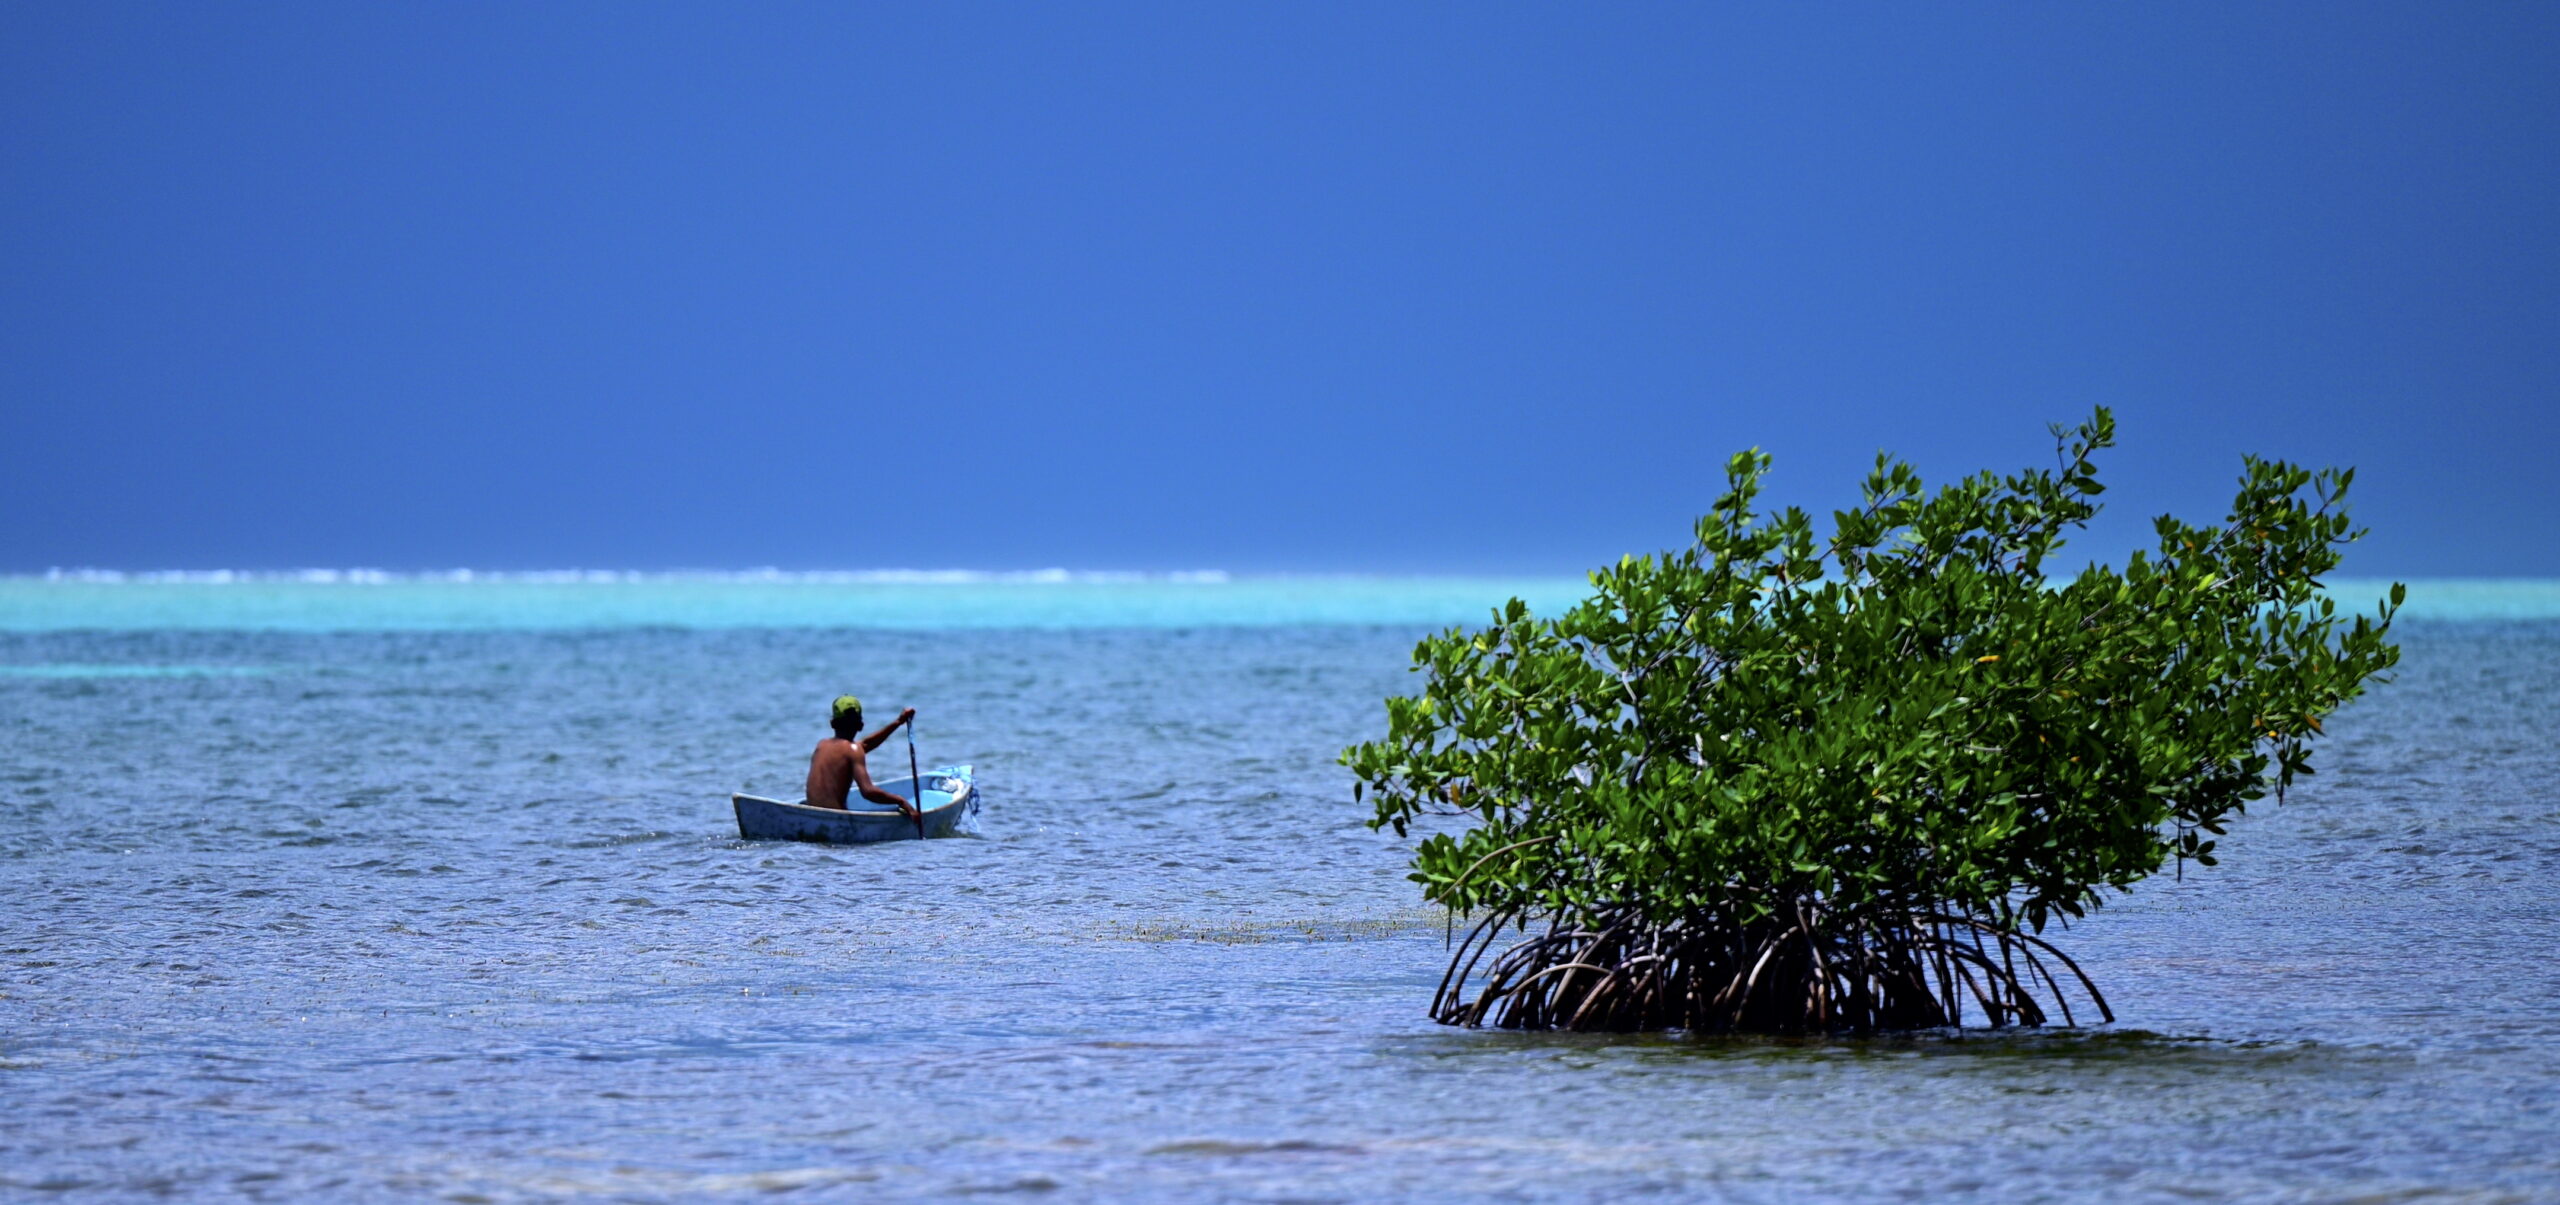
949 793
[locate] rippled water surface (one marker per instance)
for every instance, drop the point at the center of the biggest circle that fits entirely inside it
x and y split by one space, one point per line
462 915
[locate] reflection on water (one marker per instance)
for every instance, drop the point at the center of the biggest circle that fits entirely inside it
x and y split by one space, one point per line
461 916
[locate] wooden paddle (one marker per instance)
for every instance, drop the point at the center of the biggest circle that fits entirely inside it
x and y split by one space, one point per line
916 778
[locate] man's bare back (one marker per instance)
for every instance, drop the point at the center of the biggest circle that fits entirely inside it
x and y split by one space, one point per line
831 771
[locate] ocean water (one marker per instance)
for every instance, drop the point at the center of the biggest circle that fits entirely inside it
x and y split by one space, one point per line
375 888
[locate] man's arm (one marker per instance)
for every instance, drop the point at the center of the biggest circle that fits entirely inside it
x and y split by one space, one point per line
862 782
872 741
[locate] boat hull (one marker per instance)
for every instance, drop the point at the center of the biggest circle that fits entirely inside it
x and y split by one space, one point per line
949 794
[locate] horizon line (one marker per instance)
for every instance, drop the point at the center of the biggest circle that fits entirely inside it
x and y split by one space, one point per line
363 576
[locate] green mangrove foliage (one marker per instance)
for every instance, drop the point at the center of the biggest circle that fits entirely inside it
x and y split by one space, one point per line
1778 783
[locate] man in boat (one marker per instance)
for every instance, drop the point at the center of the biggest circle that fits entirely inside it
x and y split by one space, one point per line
841 763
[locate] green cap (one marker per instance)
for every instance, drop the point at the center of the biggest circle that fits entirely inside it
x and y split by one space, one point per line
846 705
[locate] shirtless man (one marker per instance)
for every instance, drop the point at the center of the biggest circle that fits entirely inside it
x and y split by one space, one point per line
840 764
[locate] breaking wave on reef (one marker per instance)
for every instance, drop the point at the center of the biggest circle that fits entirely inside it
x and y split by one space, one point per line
374 577
343 600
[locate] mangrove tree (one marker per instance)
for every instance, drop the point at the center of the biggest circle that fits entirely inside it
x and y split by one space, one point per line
1782 782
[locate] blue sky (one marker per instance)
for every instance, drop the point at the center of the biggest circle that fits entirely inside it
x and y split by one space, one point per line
1451 288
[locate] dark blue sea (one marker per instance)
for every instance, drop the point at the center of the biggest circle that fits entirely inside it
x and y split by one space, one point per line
350 887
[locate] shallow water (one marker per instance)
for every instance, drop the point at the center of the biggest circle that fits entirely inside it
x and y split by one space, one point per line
461 915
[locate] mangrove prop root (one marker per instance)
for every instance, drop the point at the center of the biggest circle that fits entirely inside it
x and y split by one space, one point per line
1794 970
